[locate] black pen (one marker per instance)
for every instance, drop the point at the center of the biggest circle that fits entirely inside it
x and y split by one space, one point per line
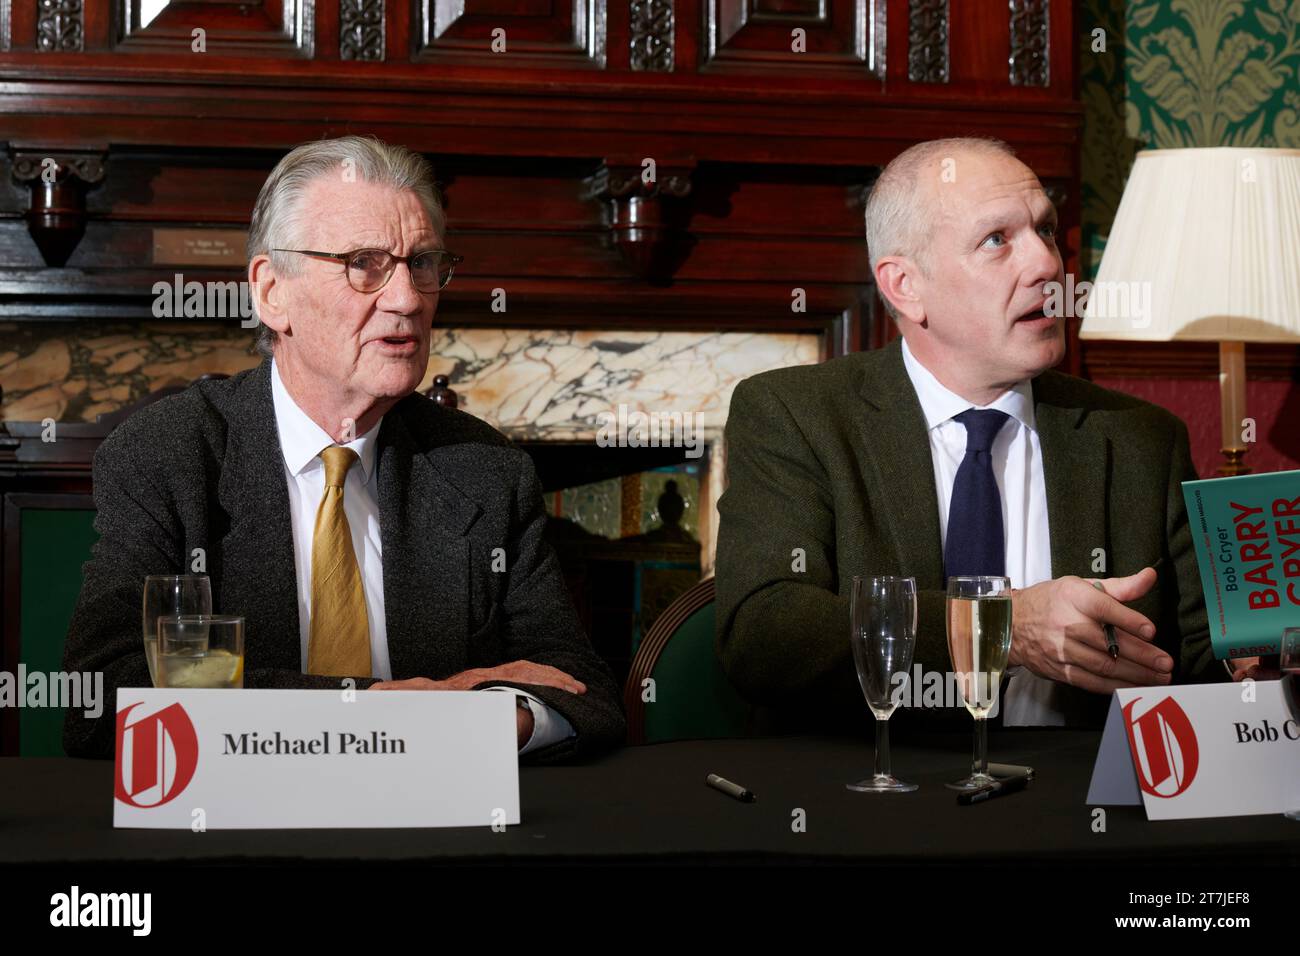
730 789
995 789
1112 643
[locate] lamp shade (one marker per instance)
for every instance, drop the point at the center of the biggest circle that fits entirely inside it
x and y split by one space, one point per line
1206 245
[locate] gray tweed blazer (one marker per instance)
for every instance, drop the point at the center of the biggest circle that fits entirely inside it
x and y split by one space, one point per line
203 469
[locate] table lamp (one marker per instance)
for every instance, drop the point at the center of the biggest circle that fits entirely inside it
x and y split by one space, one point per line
1205 246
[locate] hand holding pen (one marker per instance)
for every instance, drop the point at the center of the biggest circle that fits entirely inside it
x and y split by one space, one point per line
1059 632
1112 642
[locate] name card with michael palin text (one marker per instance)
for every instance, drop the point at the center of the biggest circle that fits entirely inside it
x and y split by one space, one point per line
1199 750
285 759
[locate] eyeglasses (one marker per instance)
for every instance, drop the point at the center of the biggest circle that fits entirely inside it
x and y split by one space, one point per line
368 270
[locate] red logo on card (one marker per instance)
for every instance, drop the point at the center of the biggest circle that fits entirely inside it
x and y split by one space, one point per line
1164 747
158 753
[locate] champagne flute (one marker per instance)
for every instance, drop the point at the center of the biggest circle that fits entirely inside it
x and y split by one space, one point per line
883 636
1289 662
171 595
979 640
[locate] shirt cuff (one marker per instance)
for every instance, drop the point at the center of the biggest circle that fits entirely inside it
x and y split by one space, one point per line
549 725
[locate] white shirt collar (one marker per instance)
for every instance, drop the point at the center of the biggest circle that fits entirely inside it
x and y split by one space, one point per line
302 440
939 404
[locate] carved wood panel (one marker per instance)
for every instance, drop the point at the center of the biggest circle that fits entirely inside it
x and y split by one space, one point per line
60 26
651 42
563 33
927 41
361 29
1028 61
792 34
269 28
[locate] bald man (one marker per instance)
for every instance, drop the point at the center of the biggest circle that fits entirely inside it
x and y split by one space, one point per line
956 450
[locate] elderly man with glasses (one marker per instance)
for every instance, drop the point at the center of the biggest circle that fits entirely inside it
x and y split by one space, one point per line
364 532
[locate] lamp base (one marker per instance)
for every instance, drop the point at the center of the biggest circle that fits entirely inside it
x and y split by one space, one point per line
1233 465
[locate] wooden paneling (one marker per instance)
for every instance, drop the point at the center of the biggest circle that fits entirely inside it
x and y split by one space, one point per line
773 140
1184 361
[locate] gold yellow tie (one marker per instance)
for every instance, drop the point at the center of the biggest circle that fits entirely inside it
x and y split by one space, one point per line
339 644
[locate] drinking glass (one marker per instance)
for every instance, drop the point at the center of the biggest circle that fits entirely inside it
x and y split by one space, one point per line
1289 662
171 595
201 650
883 635
979 639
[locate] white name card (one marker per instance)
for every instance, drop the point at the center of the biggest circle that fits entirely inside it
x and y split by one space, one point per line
258 759
1199 750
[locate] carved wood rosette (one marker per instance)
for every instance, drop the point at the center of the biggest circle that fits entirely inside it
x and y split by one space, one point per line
59 182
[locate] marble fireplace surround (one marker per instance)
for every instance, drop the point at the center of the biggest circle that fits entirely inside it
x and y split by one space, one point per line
554 385
568 385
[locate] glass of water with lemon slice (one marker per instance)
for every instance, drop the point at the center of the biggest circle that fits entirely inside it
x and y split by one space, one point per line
200 650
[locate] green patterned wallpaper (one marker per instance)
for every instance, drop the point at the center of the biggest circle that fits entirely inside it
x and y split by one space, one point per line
1180 73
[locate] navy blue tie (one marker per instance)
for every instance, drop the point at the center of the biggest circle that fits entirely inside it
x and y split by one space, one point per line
976 543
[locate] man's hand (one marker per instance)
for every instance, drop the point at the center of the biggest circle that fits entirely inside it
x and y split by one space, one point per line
1268 667
516 672
1057 633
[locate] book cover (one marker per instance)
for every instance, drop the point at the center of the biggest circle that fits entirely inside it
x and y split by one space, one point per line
1246 531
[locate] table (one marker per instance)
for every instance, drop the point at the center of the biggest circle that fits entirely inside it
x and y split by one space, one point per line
650 804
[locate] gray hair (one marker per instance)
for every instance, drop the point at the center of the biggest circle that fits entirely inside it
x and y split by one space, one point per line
899 221
275 222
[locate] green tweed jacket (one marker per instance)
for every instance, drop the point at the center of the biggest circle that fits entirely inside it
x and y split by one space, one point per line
832 461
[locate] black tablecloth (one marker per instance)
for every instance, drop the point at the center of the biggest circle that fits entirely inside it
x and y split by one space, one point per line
650 804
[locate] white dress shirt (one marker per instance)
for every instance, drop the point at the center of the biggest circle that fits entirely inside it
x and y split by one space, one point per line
1018 470
301 442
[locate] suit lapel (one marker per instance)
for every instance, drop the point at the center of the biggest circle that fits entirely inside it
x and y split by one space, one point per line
259 579
423 519
1076 465
1076 470
898 449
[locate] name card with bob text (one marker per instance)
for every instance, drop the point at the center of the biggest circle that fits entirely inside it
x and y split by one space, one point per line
285 759
1199 750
